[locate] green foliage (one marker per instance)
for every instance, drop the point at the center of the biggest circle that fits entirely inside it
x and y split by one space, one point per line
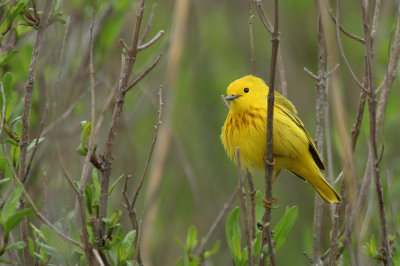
285 226
280 232
86 129
233 237
10 217
121 248
189 258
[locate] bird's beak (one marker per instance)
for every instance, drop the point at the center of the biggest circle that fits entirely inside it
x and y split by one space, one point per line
232 97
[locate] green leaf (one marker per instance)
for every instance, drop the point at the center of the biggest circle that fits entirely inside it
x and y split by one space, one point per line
127 245
285 226
259 206
7 83
233 235
215 248
6 261
96 183
13 142
38 233
31 245
15 220
6 57
80 150
112 220
16 245
4 180
370 247
12 203
89 197
256 244
191 239
34 143
115 183
14 12
179 243
53 252
85 134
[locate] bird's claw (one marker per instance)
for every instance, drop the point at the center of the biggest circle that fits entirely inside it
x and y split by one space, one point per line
268 204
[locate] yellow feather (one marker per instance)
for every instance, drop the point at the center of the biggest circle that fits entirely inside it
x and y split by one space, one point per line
293 147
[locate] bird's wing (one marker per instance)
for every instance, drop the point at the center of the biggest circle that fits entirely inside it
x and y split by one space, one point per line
288 108
280 100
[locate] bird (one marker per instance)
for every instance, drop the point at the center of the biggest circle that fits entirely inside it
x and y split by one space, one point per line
293 148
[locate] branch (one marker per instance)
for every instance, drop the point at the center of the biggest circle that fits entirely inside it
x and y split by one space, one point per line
29 85
253 58
386 250
268 159
334 19
224 102
213 227
156 127
242 197
152 41
3 108
320 102
145 72
35 209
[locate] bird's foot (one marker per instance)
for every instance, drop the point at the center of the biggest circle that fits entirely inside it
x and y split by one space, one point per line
269 204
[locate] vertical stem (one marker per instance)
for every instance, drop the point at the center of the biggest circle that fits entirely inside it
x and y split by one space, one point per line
321 85
242 196
387 257
268 159
25 121
253 58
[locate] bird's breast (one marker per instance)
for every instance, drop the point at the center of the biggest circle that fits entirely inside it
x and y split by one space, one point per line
246 130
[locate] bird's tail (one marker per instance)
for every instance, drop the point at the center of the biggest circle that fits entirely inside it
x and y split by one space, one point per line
324 189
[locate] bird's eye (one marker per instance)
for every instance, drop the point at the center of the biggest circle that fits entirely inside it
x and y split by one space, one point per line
246 90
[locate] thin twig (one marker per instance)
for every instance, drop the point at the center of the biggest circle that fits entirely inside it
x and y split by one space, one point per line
148 25
242 197
152 41
144 73
224 102
386 250
42 122
3 108
320 102
128 60
334 19
375 19
35 209
156 127
268 159
252 53
25 120
252 192
98 257
341 49
200 251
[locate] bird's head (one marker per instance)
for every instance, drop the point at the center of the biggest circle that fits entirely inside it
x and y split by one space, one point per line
247 92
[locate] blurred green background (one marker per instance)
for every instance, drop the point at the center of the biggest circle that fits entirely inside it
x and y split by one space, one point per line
198 178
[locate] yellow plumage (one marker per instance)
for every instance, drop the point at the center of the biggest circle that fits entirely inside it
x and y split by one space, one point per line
293 148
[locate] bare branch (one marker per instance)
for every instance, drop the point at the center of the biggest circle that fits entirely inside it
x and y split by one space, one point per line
144 73
156 127
3 108
242 197
35 209
334 19
152 41
148 26
268 158
224 102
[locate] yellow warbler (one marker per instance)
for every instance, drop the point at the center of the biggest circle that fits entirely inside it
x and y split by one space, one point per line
293 148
